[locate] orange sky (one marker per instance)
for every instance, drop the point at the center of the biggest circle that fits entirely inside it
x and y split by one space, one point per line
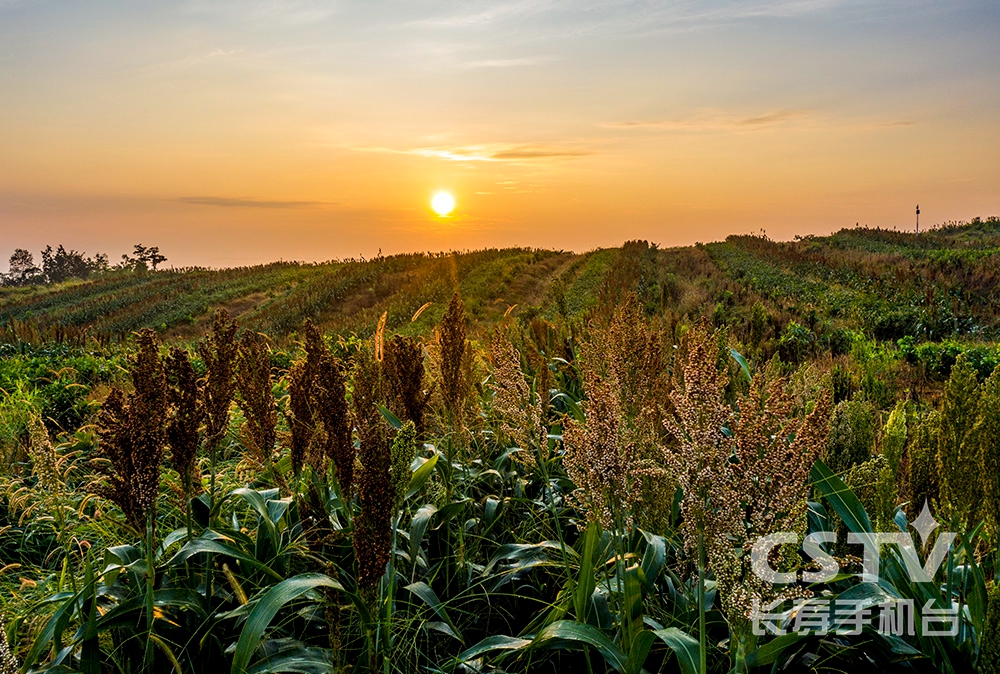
241 132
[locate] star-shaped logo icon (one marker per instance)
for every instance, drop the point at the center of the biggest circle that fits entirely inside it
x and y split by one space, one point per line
925 524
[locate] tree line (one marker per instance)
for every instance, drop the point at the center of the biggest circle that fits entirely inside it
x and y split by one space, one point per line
61 265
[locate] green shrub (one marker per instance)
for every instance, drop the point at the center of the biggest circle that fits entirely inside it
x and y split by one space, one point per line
852 434
924 478
987 434
958 455
989 640
893 445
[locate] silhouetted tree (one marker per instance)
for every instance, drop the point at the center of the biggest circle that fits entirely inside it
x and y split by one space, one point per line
61 264
143 258
22 269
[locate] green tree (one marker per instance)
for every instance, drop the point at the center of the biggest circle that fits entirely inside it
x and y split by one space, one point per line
22 269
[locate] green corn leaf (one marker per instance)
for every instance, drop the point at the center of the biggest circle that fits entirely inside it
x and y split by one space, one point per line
653 558
494 643
421 474
566 634
639 651
684 646
259 505
426 593
770 652
418 527
841 498
390 417
302 660
744 365
175 536
267 607
633 604
585 581
200 545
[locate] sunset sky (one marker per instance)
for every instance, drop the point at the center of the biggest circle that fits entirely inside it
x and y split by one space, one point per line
232 133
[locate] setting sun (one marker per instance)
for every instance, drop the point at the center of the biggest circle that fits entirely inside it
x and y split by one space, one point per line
443 203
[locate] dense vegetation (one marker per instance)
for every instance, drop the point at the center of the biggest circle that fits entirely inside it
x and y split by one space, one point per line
503 460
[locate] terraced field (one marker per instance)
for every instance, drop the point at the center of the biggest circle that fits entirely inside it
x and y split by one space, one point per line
944 283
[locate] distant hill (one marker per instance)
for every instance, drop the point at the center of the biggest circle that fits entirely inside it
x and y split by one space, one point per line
944 283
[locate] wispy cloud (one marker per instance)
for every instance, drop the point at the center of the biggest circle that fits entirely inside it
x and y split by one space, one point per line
505 63
898 122
589 16
495 152
212 56
528 152
708 121
267 11
499 153
228 202
478 14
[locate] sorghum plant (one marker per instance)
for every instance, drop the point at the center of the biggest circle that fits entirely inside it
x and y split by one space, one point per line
253 383
451 345
744 471
372 535
599 459
131 428
300 412
8 663
403 368
301 380
330 404
401 453
519 415
989 640
43 455
893 446
218 351
987 431
923 484
958 455
319 419
628 353
185 417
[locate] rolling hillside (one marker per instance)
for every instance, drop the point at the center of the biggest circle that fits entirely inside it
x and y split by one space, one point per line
941 284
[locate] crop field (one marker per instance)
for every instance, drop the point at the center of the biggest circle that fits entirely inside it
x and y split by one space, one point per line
741 456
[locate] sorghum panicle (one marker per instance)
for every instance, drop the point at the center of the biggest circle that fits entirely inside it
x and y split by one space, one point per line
331 409
254 384
520 417
185 417
43 455
218 351
451 345
403 369
744 470
132 435
401 453
8 661
372 527
599 459
300 417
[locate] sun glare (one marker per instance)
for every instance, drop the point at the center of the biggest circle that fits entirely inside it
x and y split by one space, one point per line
443 203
